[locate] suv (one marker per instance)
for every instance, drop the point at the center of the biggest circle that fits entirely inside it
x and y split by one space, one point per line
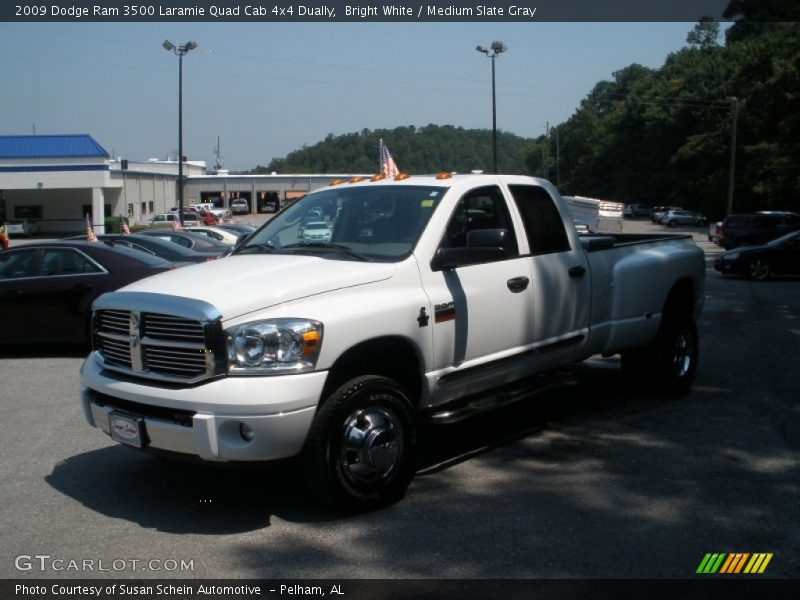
239 206
756 228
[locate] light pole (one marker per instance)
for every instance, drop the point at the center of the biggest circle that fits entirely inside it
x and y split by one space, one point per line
180 51
497 48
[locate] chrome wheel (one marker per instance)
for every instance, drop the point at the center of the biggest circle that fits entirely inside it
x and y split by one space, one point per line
372 444
683 355
758 269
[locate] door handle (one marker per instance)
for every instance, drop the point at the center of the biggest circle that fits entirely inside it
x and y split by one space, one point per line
518 284
578 271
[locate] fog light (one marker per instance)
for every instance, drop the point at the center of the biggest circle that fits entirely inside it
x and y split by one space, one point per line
246 432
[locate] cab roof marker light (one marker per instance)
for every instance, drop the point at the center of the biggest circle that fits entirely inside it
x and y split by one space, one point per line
336 182
401 176
377 177
444 175
357 179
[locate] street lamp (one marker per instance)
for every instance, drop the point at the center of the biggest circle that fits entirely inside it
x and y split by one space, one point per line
180 51
497 48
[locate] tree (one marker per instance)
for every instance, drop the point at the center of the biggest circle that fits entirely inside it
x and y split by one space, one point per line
705 34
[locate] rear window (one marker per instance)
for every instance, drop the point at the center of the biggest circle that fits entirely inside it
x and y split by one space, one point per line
736 222
543 224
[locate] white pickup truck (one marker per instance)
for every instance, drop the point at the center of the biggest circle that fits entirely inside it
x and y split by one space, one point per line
435 298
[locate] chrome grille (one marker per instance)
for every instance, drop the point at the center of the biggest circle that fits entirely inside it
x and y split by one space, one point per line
158 346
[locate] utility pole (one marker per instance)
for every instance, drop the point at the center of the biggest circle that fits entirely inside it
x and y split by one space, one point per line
732 167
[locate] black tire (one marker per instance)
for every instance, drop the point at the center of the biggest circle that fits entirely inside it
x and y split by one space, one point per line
668 365
758 269
672 224
361 451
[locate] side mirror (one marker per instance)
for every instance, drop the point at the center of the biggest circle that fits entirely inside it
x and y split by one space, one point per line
483 245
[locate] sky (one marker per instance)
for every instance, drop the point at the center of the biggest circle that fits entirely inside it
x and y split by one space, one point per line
266 89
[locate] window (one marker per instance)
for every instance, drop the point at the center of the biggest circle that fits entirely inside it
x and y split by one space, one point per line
66 262
16 263
86 209
543 224
150 206
143 208
27 212
130 210
484 208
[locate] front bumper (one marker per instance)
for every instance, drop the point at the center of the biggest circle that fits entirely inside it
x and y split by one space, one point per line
205 420
728 267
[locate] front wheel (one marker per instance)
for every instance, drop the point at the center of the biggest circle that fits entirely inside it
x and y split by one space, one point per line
758 269
672 224
361 451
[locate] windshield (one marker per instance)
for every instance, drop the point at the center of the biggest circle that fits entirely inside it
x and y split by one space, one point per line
784 238
380 223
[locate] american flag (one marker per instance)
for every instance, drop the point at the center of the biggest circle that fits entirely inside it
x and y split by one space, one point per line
123 226
90 236
388 166
176 222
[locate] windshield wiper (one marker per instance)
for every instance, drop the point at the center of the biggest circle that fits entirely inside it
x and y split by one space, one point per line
341 247
269 247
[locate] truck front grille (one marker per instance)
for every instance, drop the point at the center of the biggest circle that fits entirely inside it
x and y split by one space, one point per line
159 346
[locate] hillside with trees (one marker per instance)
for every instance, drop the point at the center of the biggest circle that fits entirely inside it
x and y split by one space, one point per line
428 149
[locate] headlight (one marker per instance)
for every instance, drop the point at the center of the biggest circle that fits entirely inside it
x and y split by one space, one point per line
731 256
274 346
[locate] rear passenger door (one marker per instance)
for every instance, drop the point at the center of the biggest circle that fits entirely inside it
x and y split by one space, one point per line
559 273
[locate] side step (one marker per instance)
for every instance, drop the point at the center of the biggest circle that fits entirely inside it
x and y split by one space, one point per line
475 404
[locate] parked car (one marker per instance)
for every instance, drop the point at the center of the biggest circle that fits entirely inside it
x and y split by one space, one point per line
166 219
239 206
174 253
194 241
47 288
756 228
780 256
317 231
215 233
659 211
714 232
634 211
219 213
673 218
237 228
22 228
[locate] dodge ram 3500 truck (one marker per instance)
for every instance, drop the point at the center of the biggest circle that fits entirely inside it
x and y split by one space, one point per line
434 298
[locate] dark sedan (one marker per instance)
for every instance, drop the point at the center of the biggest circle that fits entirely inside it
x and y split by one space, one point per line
47 288
778 257
174 253
194 241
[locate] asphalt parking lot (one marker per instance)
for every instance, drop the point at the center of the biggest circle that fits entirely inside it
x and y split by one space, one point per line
592 480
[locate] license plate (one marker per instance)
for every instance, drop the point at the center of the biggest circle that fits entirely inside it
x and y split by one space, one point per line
126 429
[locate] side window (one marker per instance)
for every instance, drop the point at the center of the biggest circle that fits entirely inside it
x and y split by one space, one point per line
66 262
543 224
182 241
484 208
16 263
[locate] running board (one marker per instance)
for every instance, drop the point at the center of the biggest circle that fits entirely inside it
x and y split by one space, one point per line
475 404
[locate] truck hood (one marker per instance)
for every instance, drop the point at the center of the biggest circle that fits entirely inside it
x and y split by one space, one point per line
237 285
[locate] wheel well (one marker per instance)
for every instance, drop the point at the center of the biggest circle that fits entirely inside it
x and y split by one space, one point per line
680 299
392 357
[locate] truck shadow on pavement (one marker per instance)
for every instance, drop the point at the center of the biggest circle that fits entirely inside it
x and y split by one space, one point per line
188 497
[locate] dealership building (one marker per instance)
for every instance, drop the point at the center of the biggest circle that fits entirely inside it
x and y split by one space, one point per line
57 180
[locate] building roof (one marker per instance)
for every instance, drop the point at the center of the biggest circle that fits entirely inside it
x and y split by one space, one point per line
50 146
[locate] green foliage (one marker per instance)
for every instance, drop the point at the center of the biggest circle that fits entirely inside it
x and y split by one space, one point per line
428 149
663 136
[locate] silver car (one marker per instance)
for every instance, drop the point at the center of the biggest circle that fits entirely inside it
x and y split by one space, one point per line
673 218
